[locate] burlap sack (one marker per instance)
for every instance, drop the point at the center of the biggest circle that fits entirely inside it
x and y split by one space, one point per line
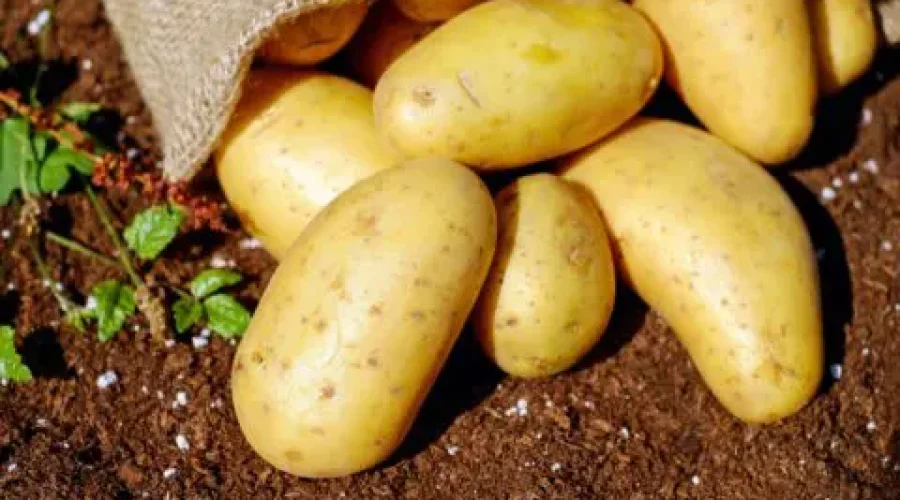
189 58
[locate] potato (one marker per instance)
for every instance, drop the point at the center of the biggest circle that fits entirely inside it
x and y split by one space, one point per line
313 37
383 37
713 243
550 292
359 318
745 67
513 82
297 139
845 39
433 10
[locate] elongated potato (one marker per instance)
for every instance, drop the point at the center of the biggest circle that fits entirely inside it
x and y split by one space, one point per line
509 83
384 36
713 243
551 289
314 37
433 10
845 38
296 140
746 68
359 318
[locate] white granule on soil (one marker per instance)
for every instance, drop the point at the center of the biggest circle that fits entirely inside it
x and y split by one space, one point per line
522 407
91 303
828 193
857 204
41 422
181 398
870 166
6 234
452 450
182 443
11 286
199 342
555 467
145 390
159 395
865 117
170 473
36 25
866 351
250 244
205 333
624 432
871 426
887 246
107 379
695 479
853 177
220 262
12 467
170 343
837 182
836 371
87 64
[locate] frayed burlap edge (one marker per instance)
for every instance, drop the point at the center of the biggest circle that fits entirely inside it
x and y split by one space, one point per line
192 103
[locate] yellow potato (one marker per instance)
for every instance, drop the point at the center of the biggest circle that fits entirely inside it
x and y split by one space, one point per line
550 292
845 38
297 140
710 240
513 82
359 318
313 37
745 67
383 37
433 10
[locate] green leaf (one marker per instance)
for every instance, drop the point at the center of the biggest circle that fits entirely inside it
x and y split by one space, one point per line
187 312
79 112
71 158
54 176
226 316
41 144
78 318
11 365
152 230
15 153
212 280
4 62
114 304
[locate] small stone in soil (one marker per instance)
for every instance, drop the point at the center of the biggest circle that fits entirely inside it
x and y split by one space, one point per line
12 467
837 182
11 286
159 395
555 467
836 371
866 117
870 166
452 450
695 480
199 342
624 432
87 64
871 426
205 332
866 351
887 246
107 379
36 25
250 244
41 422
857 204
170 472
182 443
853 177
5 234
522 407
828 193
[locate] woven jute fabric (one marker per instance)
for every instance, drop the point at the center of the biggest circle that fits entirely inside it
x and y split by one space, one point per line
189 58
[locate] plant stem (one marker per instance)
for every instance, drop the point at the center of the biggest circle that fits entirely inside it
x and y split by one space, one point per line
78 247
124 256
64 302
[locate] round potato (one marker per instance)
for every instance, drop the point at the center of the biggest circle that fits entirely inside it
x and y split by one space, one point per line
845 38
383 37
551 289
360 316
313 37
509 83
746 68
710 240
431 10
296 140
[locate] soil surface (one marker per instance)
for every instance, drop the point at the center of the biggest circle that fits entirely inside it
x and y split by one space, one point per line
633 421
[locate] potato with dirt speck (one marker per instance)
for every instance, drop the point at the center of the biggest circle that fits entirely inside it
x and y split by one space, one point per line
509 83
746 68
551 289
311 38
433 10
297 139
710 240
384 36
360 316
845 38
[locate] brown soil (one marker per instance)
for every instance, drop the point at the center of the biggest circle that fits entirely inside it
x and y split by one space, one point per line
634 421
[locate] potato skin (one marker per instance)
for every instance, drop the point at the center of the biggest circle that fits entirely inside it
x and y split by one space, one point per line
433 10
845 40
746 68
383 37
509 83
551 289
296 140
360 317
313 37
713 243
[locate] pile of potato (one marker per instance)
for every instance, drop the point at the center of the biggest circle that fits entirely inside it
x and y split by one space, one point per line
389 240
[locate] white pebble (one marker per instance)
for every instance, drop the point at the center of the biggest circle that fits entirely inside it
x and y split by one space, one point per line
11 286
857 204
170 473
589 405
136 328
199 342
6 234
853 177
46 283
205 332
871 426
37 24
250 244
836 371
870 166
219 262
866 117
130 120
452 450
181 398
91 303
887 246
624 432
145 390
41 422
132 153
828 193
232 342
87 64
107 379
555 467
866 351
217 403
837 182
12 467
159 395
695 480
522 407
182 443
170 343
548 404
